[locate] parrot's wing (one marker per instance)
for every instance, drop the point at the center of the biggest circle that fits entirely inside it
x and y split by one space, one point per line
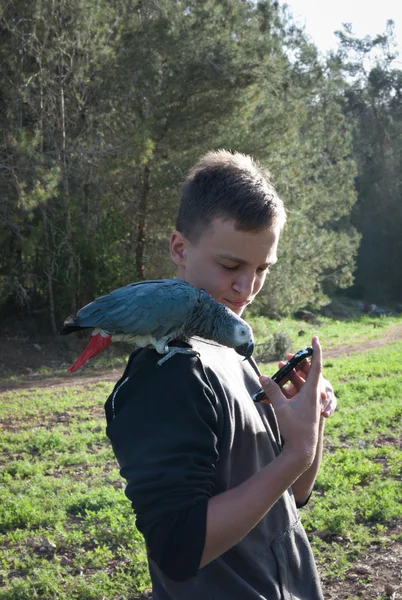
156 308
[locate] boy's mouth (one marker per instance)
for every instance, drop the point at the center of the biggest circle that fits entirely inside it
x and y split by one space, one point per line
236 305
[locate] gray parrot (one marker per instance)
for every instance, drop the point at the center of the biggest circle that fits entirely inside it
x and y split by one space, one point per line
152 313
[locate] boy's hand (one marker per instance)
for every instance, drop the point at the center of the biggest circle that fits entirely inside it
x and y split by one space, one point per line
299 415
298 379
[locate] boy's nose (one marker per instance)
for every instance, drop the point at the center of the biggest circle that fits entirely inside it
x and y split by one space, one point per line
244 286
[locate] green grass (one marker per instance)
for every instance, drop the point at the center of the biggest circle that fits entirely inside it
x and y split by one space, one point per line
60 483
358 487
67 529
332 333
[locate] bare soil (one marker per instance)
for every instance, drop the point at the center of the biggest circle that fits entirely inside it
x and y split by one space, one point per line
376 575
387 336
25 363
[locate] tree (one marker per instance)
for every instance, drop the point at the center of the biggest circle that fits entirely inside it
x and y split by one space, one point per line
298 129
104 108
373 105
52 52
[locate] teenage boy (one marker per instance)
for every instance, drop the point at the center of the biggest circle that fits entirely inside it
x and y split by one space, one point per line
215 479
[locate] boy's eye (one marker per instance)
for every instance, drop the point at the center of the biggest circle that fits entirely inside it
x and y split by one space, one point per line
229 268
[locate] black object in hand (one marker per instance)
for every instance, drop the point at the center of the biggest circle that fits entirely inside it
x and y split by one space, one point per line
285 370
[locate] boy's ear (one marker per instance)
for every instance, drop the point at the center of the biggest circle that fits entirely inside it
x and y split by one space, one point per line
178 245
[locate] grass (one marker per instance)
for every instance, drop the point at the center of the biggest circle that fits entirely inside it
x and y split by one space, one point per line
67 529
332 332
63 510
358 488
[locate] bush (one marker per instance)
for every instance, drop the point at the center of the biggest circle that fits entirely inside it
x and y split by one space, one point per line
275 348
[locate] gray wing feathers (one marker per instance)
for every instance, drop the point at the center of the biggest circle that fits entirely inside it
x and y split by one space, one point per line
158 308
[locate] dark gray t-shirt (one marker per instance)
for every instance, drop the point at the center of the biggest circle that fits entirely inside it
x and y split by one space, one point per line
185 432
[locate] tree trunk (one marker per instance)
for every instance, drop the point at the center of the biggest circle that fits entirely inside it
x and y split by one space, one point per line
49 269
141 226
66 198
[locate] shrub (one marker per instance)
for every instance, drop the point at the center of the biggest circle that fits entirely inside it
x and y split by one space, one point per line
275 348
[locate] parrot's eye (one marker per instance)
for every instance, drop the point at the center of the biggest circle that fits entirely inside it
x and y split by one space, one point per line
243 332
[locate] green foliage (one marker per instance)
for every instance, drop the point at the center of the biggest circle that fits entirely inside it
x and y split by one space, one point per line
63 514
105 107
275 348
91 502
372 105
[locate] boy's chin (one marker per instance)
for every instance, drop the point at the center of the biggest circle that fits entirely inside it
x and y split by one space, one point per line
238 310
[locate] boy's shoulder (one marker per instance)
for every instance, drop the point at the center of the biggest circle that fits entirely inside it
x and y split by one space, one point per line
143 380
206 360
210 371
207 351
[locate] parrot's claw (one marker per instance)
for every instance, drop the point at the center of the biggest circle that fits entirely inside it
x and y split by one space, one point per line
173 351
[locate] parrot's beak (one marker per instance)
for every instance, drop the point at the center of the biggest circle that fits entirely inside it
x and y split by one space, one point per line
245 350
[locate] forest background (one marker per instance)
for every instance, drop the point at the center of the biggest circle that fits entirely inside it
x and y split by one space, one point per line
105 105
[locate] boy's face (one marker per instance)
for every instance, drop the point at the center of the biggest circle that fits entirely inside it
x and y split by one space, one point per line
228 264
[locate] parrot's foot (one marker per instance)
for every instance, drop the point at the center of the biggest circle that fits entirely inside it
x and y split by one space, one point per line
173 351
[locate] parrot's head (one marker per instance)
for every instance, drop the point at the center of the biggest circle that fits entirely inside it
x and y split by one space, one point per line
235 332
213 320
243 334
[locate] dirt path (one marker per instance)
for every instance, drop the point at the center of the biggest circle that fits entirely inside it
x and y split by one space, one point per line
68 380
388 336
84 379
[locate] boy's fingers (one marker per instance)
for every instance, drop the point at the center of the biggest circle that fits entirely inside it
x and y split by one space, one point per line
304 366
328 400
296 380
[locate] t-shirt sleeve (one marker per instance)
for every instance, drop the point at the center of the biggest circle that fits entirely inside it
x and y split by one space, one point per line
164 429
302 504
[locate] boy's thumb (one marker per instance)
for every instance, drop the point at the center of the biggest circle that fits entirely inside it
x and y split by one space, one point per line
316 364
272 391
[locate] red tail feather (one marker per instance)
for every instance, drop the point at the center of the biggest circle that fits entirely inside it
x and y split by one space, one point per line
96 344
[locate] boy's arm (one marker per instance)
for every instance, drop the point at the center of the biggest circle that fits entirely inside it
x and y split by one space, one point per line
303 486
164 427
232 514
